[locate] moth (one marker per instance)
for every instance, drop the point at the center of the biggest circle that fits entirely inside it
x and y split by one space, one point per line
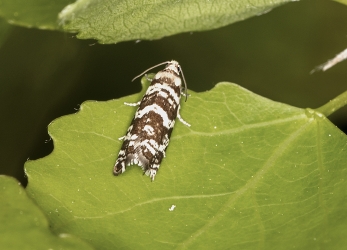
149 133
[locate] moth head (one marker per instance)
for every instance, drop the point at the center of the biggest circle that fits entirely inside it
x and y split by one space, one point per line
172 66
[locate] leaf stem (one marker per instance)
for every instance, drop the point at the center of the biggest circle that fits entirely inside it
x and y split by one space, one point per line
333 105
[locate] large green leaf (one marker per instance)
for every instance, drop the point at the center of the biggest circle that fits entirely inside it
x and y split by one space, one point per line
249 173
24 226
33 13
113 21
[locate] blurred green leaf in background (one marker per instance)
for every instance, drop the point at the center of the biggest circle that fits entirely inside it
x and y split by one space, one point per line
114 21
40 14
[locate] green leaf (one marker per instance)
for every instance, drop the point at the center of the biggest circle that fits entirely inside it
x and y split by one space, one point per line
23 225
341 1
41 14
249 173
121 20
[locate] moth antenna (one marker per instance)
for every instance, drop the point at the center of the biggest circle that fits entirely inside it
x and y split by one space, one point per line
149 70
185 84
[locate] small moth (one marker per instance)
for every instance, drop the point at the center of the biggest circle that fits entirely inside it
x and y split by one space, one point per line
149 133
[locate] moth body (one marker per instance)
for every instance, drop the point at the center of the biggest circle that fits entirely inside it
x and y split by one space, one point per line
148 135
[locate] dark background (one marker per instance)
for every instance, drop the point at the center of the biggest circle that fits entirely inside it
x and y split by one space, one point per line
47 74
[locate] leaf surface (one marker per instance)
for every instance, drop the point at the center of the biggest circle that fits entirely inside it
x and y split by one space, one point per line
24 226
250 173
112 21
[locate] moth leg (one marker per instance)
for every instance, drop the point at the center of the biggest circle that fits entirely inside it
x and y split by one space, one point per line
181 119
121 138
132 104
184 94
